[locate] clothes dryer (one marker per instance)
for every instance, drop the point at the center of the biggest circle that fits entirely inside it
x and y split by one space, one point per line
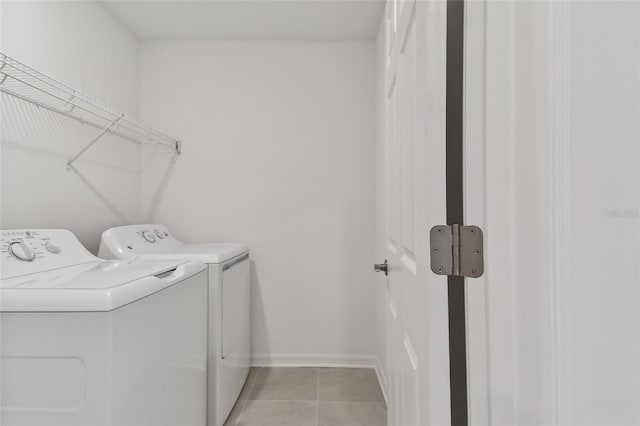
229 302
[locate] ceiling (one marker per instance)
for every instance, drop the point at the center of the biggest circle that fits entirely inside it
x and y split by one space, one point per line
249 19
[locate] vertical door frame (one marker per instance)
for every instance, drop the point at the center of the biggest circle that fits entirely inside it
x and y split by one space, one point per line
474 198
455 207
494 37
488 184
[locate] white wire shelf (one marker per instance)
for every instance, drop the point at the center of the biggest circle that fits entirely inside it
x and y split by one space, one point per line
32 86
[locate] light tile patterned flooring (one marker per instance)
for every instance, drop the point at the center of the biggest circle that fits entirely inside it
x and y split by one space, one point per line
310 397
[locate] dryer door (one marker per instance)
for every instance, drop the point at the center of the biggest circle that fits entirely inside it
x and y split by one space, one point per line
235 318
235 306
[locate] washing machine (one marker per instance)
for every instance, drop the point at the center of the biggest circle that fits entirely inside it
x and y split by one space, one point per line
89 342
229 302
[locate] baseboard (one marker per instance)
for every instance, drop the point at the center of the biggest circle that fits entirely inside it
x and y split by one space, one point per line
313 360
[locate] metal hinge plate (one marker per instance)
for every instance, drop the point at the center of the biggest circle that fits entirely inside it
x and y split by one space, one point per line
457 250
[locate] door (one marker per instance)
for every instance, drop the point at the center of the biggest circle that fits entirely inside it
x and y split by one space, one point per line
413 182
552 174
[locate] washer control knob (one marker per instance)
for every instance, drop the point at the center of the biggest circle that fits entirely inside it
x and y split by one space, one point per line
149 236
52 248
21 251
160 234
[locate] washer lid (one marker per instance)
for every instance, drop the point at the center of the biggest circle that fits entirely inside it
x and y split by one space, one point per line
93 286
212 253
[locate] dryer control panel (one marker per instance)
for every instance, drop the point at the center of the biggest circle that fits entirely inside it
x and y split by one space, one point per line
156 242
26 251
130 241
154 234
147 238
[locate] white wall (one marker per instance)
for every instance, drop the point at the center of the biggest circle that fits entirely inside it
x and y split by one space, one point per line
279 154
284 131
81 44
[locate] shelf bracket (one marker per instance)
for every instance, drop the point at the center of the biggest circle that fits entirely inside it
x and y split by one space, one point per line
4 74
70 103
96 139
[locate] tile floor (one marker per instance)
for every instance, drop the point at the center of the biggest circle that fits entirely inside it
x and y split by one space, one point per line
310 397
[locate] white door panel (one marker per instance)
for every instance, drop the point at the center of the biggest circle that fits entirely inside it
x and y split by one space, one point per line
414 182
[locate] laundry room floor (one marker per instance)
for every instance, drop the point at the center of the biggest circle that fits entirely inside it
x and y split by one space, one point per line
310 397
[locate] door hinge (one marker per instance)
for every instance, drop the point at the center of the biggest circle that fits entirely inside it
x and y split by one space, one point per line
457 250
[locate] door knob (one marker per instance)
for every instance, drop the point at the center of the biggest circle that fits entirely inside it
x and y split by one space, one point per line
382 267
